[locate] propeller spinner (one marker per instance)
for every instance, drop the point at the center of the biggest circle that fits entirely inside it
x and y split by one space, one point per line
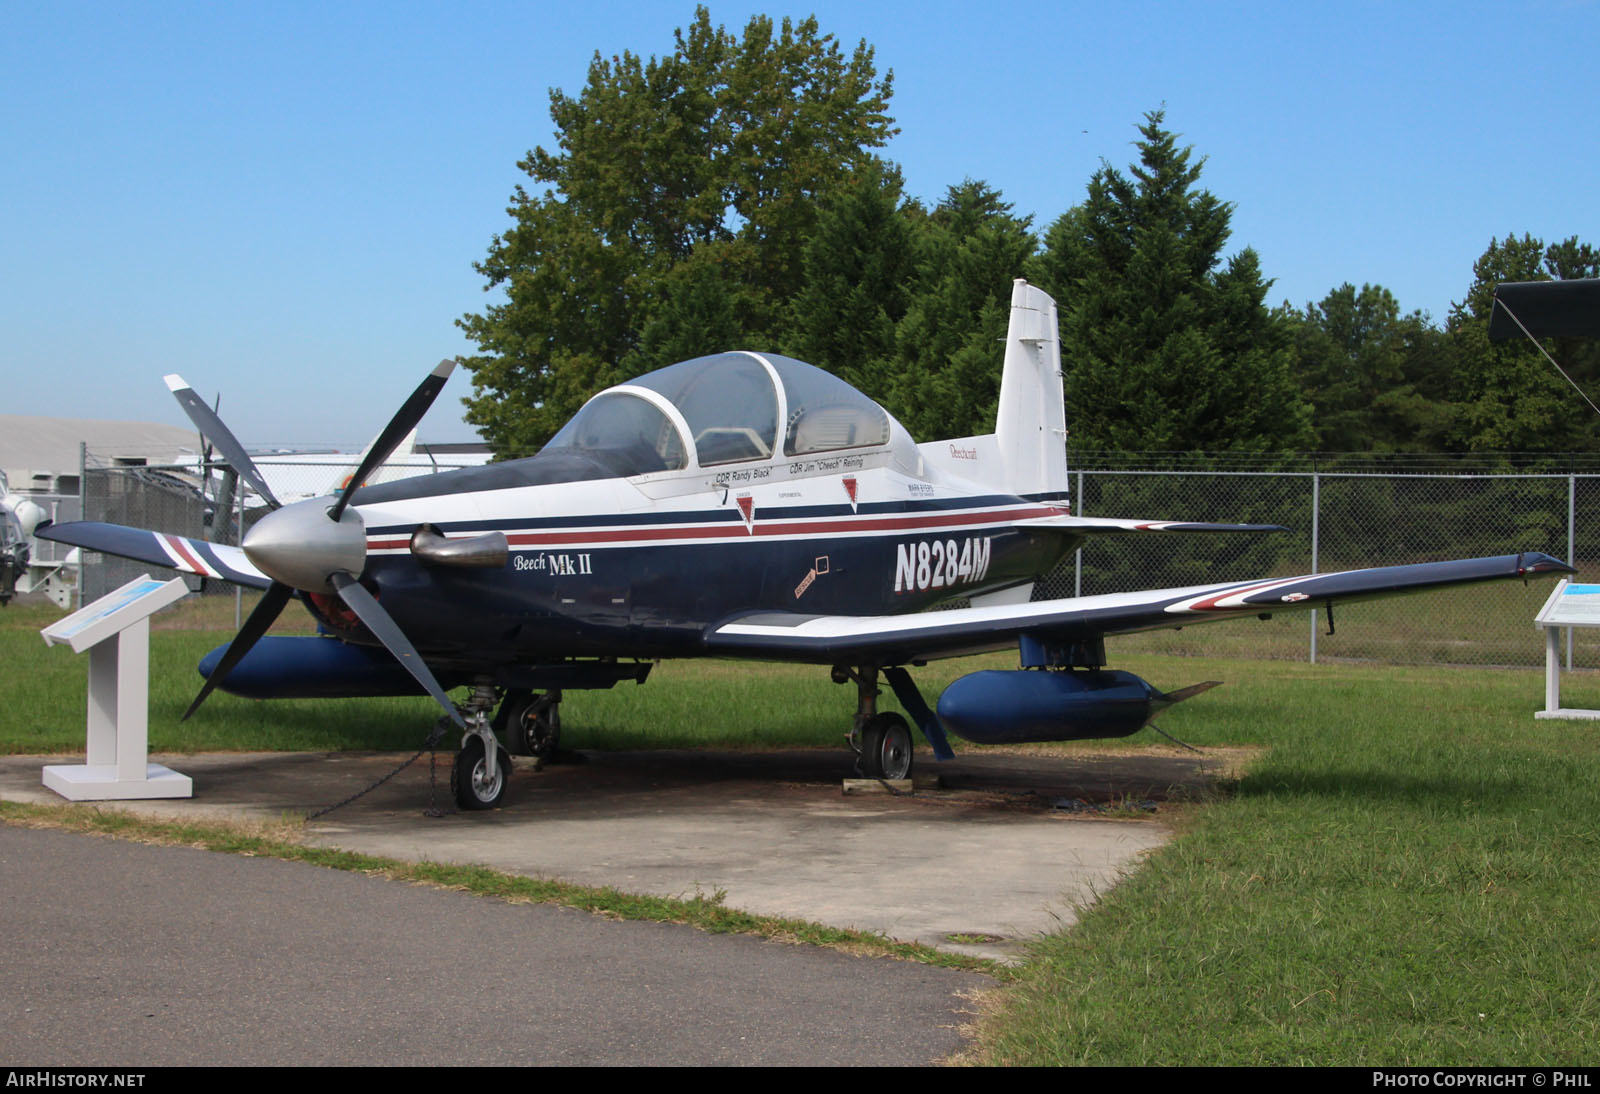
317 546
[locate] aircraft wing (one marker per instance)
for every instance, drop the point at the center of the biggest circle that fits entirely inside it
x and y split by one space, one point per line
900 639
190 556
1090 526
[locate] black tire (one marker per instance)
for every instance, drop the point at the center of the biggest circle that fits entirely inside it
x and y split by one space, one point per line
886 748
467 783
530 724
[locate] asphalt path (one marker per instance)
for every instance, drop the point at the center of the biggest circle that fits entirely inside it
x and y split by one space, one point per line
123 955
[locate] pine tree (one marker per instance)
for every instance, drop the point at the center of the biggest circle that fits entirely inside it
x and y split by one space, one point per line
945 378
1166 346
859 274
1378 381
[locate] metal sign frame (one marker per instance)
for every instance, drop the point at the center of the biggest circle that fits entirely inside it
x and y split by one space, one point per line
1570 604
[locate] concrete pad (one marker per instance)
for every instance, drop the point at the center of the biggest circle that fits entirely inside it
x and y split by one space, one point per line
981 866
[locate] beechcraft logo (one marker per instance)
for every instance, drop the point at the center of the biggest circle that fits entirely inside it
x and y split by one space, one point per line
747 506
850 488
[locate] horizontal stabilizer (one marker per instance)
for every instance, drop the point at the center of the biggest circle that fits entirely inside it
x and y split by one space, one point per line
189 556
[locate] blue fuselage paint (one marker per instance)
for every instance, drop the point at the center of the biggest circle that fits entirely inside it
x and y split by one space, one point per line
656 601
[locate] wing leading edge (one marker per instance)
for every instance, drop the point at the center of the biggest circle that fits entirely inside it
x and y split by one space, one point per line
189 556
1092 526
897 639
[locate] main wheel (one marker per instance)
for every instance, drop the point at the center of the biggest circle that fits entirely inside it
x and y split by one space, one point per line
469 779
530 724
886 748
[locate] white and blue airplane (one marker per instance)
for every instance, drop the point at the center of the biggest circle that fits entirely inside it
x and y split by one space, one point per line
742 505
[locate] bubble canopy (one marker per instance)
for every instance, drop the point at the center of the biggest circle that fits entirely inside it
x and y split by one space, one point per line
724 409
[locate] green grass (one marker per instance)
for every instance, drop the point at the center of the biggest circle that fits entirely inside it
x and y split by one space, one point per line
1405 876
45 690
683 705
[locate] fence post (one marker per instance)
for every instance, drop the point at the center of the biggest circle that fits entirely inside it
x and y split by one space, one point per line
1077 556
1572 548
83 514
1316 514
238 590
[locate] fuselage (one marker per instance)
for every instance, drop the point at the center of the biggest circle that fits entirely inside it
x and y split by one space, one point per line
641 565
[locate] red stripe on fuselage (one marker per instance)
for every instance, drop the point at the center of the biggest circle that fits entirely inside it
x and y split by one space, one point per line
631 535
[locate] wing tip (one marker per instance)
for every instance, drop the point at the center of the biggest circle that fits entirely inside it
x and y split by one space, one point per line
1538 562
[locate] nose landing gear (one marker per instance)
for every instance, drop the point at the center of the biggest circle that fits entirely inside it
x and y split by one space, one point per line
482 768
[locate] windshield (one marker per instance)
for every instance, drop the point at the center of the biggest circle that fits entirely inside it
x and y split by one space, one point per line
729 402
634 434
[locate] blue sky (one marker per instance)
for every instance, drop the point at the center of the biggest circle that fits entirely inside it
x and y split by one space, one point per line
283 201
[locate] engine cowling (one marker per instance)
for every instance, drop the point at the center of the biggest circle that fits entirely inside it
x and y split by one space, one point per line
1013 707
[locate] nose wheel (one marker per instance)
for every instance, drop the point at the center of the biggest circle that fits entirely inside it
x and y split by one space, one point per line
475 782
482 769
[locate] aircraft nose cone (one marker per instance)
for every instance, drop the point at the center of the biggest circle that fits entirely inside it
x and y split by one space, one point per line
299 546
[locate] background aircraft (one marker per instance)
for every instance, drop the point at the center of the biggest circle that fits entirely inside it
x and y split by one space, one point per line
740 505
20 571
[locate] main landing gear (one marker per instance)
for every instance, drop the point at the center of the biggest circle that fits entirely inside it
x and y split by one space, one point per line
882 742
530 724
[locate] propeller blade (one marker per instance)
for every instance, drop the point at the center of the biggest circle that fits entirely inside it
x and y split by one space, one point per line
394 640
402 423
212 429
266 611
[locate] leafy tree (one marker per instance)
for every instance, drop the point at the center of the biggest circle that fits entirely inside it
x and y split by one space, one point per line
945 375
707 303
1166 346
716 155
1378 381
1511 399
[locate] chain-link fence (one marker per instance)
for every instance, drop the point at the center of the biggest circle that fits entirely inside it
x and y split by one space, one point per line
1342 520
1338 519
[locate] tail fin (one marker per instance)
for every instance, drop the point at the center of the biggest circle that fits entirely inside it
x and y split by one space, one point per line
1026 455
1031 424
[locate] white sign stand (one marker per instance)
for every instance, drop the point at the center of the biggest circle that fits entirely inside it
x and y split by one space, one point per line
1570 605
116 631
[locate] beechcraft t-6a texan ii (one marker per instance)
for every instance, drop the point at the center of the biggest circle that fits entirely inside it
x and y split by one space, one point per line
742 505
